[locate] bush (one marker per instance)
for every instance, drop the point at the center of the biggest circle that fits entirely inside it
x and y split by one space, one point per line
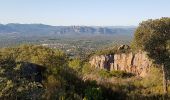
114 73
120 74
76 64
105 73
92 93
154 78
87 68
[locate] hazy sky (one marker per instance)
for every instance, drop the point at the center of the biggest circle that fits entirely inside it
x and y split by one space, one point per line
82 12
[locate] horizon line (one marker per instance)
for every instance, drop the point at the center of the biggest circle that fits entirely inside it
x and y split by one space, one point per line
72 25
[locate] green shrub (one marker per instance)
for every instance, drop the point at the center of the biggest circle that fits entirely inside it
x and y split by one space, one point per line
92 93
114 73
154 78
105 73
87 68
120 74
76 64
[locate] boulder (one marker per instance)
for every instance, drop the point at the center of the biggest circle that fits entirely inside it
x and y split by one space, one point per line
123 47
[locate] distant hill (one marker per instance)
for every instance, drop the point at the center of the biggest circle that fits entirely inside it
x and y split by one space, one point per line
41 29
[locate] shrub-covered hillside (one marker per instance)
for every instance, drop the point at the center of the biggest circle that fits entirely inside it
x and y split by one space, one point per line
30 72
37 73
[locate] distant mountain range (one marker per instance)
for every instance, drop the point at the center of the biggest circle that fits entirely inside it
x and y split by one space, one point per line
41 29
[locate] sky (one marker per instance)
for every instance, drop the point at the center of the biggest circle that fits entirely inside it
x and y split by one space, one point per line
82 12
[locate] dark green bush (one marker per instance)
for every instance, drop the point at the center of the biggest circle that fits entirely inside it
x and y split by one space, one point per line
114 73
120 74
92 93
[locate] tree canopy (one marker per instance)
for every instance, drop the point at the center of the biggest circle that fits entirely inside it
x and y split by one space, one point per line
153 36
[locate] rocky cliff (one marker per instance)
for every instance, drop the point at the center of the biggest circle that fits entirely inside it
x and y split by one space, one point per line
137 63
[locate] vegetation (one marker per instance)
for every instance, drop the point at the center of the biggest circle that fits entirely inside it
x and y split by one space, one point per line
128 85
74 46
152 36
75 64
34 72
26 69
114 73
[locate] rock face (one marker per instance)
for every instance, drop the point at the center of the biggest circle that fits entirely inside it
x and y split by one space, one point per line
102 61
137 63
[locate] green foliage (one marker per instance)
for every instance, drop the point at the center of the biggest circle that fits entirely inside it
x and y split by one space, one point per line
114 73
93 94
58 78
154 78
34 54
24 67
151 84
87 69
120 74
76 64
152 36
105 73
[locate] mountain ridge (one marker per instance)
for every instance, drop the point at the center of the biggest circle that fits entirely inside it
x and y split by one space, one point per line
62 30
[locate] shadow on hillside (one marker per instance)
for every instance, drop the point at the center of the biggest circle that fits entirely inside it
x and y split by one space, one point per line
34 72
31 71
107 93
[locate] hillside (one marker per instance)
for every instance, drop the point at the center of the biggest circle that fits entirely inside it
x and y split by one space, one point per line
74 68
41 29
36 72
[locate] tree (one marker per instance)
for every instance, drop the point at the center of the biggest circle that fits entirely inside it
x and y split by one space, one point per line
153 36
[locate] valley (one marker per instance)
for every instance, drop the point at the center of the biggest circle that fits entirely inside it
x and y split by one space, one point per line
74 40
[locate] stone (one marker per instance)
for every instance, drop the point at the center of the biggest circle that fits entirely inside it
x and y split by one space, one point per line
123 47
102 61
138 63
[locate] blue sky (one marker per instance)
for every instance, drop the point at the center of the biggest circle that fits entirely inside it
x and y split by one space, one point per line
82 12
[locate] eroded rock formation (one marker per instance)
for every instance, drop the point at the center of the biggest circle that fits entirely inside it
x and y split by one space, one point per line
137 63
